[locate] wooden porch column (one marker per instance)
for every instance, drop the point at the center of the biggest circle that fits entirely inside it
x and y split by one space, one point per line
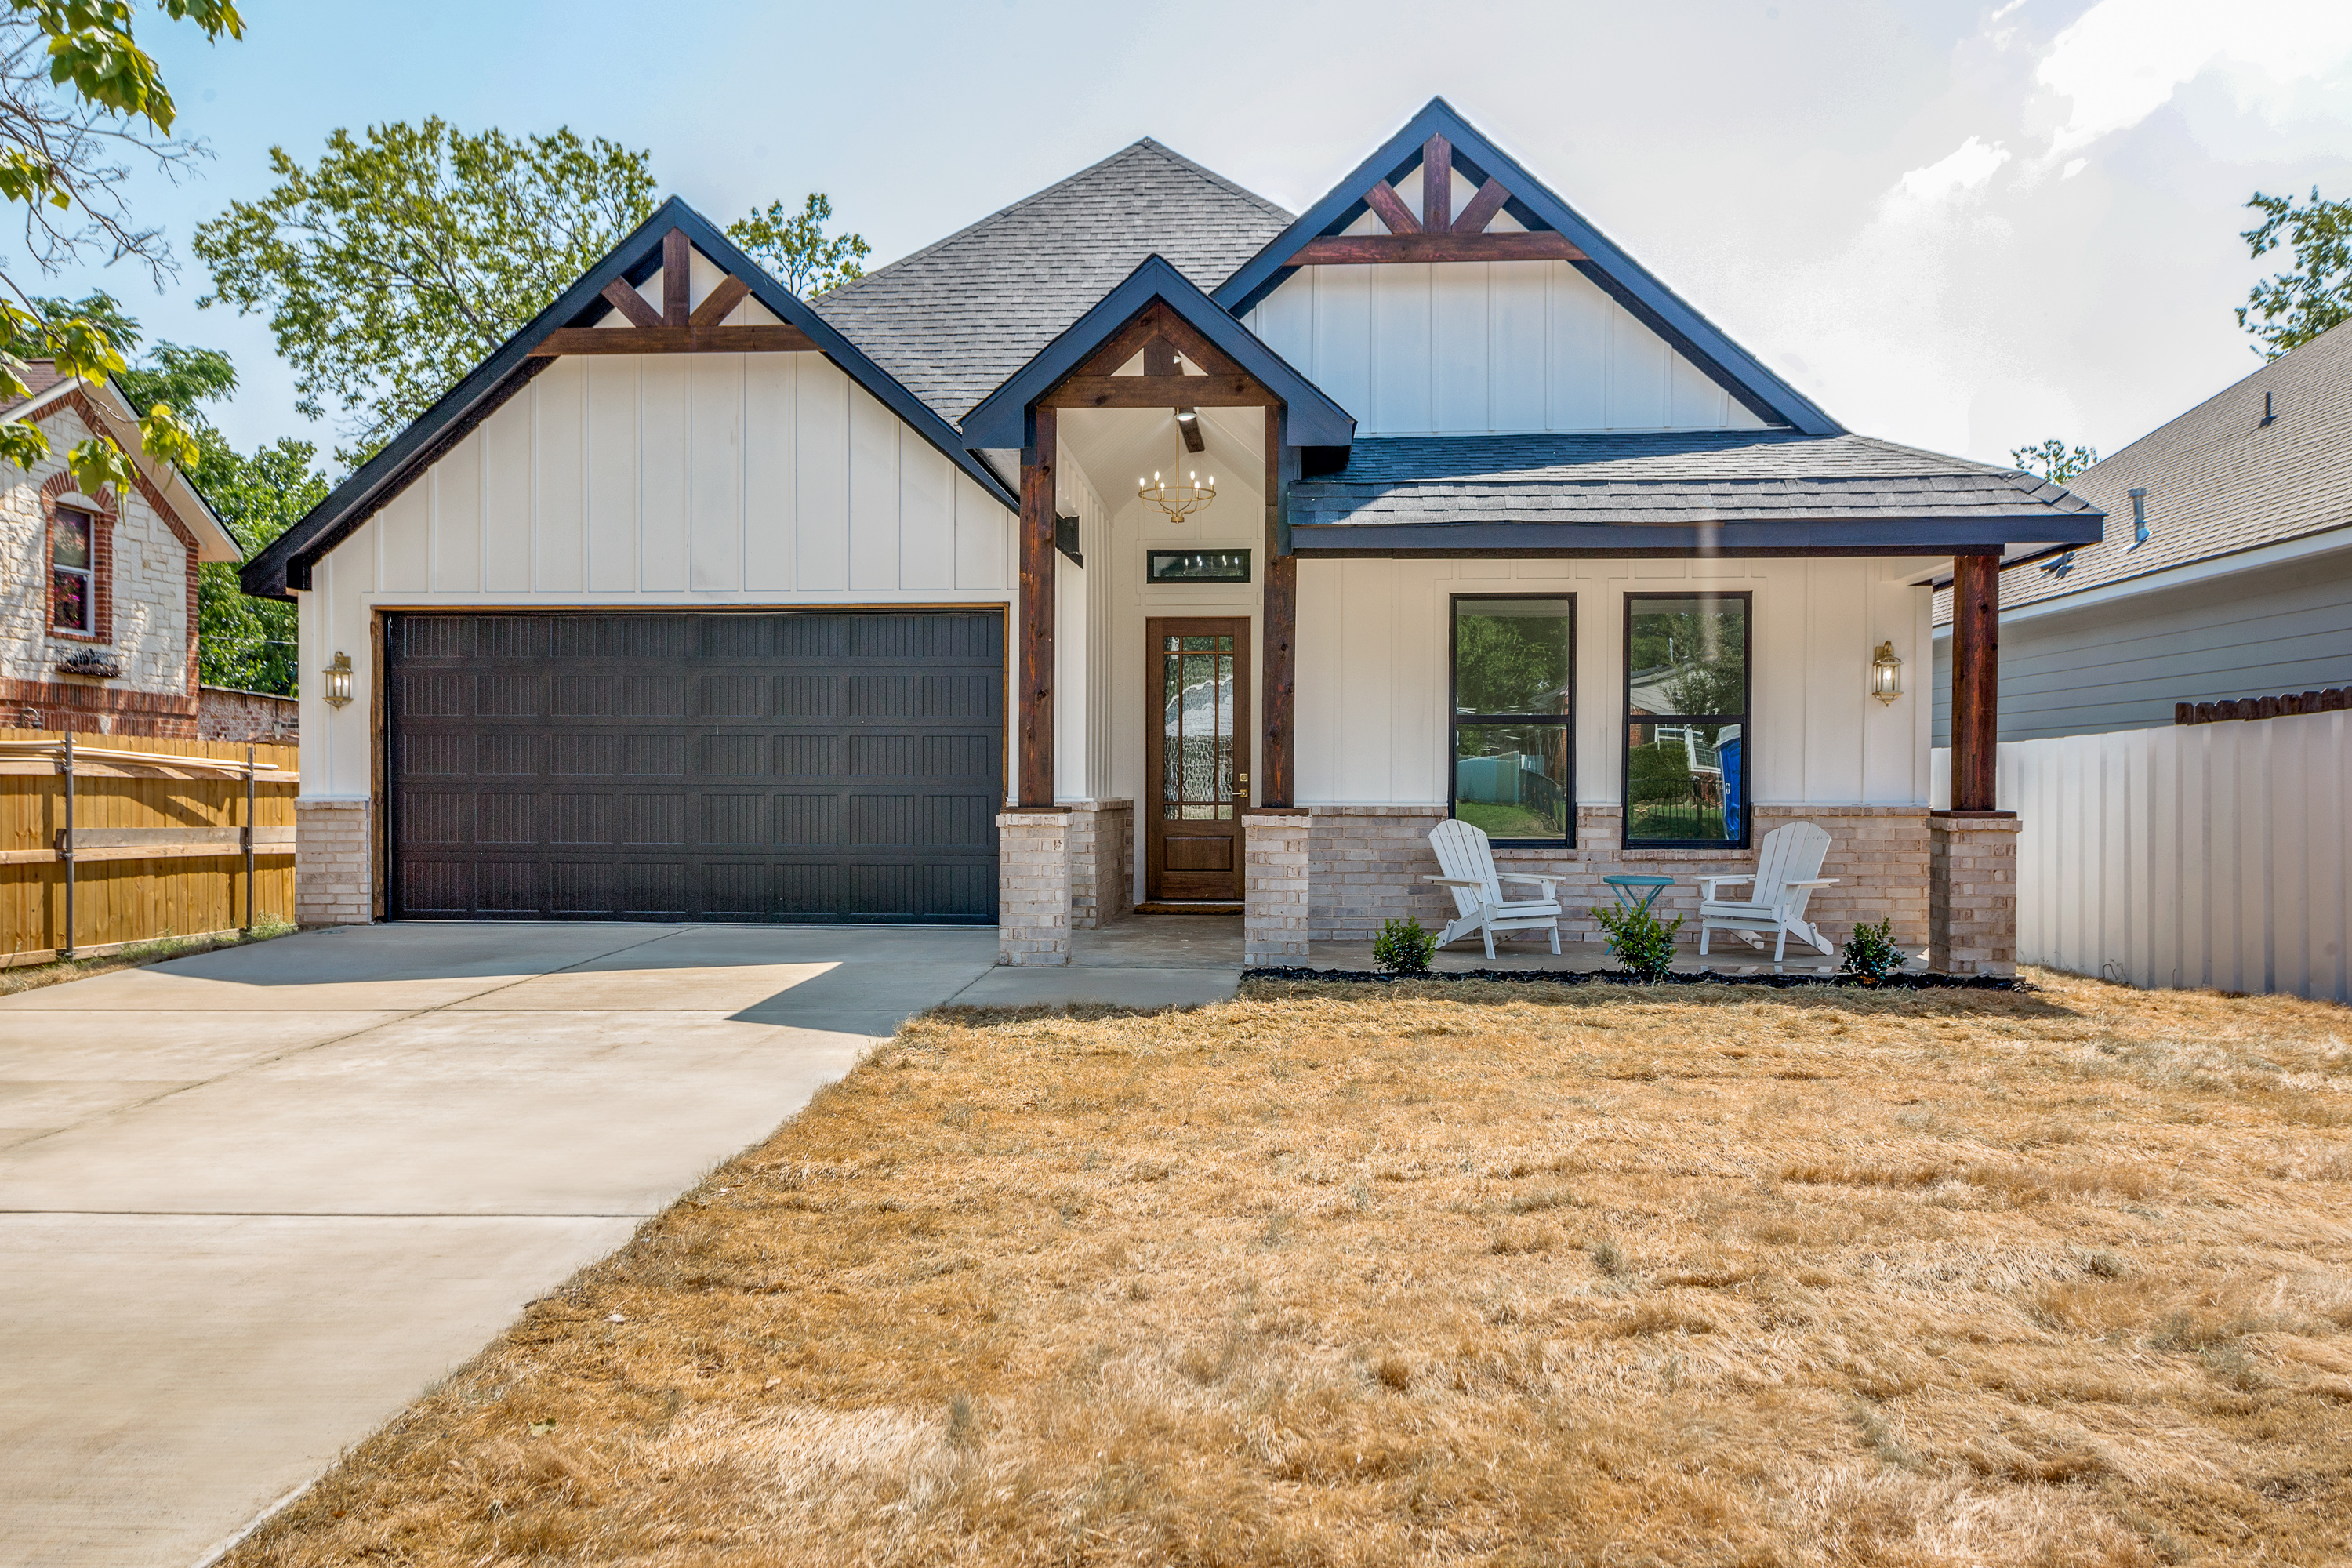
1036 613
1278 688
1976 667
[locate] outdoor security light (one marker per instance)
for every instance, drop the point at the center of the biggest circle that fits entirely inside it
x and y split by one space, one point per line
339 680
1886 674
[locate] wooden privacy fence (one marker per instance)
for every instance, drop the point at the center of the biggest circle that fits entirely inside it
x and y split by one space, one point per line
110 839
2211 854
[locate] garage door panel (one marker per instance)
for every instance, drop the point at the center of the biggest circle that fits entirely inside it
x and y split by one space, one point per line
757 766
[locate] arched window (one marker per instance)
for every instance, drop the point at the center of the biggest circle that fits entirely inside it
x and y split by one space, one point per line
73 572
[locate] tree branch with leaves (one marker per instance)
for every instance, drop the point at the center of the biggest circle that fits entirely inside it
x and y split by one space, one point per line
77 95
2287 310
2054 460
795 248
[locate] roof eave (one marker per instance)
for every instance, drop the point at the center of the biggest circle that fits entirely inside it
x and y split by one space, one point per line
1891 535
285 566
1001 420
1610 268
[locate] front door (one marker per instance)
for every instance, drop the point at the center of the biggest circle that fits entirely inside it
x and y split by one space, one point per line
1197 759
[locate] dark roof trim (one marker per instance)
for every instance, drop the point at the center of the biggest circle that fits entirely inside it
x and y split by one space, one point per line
1834 536
1700 341
286 565
1001 419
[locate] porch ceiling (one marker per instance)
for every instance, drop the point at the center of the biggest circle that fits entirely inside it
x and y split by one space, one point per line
1114 445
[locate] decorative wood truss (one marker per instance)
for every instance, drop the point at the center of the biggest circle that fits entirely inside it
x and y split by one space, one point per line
675 329
1168 342
1436 233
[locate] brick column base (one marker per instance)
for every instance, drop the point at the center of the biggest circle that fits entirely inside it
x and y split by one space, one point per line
1032 887
1973 893
334 863
1102 878
1274 886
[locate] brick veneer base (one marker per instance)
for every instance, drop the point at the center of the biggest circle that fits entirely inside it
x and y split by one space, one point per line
1972 893
333 863
1277 918
1366 863
1032 887
1102 853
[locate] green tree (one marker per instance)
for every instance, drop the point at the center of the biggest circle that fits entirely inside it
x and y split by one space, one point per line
406 256
2054 461
2290 308
77 95
247 642
794 247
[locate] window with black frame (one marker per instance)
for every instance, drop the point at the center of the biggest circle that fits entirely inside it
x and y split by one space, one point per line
1514 741
1686 754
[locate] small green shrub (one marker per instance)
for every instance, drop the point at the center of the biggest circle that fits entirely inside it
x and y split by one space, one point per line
1403 948
1871 952
1641 942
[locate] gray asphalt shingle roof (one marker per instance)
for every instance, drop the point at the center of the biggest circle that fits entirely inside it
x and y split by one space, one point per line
955 319
2217 479
1671 479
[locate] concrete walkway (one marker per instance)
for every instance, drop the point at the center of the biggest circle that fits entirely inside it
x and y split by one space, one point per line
253 1202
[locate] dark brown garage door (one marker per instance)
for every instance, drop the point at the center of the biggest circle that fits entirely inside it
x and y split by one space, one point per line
814 765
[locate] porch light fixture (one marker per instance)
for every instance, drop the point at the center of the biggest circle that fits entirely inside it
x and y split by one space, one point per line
339 680
1885 674
1178 501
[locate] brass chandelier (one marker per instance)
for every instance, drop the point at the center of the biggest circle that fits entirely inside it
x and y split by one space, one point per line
1178 501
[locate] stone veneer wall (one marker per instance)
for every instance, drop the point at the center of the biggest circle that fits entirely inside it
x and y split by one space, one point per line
334 863
1032 887
1102 858
1276 919
1973 910
1366 863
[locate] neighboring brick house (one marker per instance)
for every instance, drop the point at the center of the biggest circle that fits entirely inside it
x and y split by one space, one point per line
98 604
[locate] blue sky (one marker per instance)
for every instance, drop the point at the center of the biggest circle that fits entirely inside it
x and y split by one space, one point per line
1960 226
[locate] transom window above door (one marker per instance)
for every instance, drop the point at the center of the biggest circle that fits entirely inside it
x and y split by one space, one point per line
1513 739
1687 757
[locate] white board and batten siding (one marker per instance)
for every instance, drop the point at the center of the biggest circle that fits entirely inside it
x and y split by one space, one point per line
1373 665
1496 347
687 480
2185 857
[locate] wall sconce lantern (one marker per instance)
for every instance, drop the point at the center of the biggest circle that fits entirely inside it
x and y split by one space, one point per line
339 680
1885 674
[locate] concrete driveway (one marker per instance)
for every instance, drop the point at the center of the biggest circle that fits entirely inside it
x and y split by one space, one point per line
251 1203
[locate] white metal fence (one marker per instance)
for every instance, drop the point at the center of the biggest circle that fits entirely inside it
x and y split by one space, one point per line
2200 855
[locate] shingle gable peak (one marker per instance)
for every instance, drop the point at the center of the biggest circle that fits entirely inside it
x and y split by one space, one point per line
1085 180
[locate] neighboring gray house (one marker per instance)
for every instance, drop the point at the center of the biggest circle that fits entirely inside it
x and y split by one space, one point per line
2226 571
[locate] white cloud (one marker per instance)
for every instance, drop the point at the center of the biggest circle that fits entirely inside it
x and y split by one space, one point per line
2123 60
1966 167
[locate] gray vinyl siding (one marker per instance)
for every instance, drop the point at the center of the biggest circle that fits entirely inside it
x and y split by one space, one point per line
2122 665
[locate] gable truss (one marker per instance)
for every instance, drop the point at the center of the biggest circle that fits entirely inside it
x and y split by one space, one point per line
1435 232
675 329
1167 343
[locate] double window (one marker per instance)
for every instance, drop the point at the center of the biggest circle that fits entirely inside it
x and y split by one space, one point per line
1686 694
73 572
1514 714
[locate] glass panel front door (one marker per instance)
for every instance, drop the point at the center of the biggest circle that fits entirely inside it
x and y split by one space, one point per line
1196 728
1198 758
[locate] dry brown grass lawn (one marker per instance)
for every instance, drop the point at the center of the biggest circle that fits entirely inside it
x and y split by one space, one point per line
1494 1276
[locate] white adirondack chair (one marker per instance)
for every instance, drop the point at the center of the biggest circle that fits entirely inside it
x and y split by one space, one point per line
1787 869
1467 861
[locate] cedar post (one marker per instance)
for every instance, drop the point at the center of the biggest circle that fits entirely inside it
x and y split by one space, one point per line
1279 681
1976 669
1036 612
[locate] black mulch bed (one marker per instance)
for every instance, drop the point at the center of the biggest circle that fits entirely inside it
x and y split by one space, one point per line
1904 982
